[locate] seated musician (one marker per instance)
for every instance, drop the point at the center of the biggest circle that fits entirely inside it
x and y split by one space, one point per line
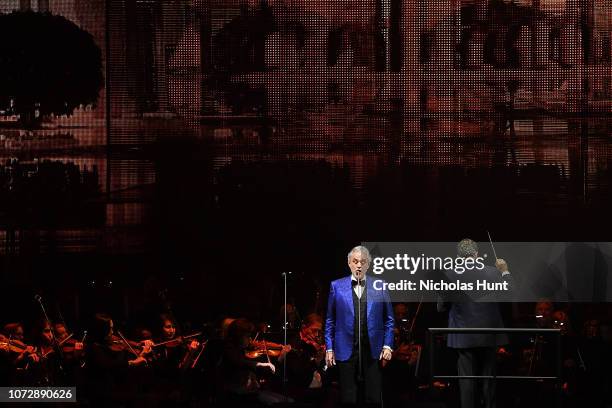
308 377
14 333
543 313
49 370
6 365
72 349
108 358
304 360
238 371
16 357
172 355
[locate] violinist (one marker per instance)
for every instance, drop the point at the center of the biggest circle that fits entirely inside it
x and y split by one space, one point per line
307 353
109 359
238 372
6 369
72 350
20 356
400 374
173 350
306 370
49 369
14 334
171 354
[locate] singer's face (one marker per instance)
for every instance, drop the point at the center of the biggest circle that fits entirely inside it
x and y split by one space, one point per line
358 264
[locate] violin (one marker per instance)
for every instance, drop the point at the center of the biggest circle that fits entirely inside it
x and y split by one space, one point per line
16 346
315 341
255 354
116 342
68 345
409 352
119 343
264 348
71 345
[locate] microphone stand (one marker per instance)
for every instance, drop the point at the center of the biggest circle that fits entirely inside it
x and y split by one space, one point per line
285 324
360 370
56 345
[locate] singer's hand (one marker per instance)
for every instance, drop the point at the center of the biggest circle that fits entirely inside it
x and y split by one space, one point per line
501 265
330 359
385 354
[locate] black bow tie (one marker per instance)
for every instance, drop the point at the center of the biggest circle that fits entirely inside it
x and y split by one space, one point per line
355 283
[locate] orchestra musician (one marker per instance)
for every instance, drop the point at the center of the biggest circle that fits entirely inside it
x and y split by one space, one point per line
19 355
307 376
72 350
49 370
109 358
13 332
307 354
240 381
172 355
401 374
6 366
173 352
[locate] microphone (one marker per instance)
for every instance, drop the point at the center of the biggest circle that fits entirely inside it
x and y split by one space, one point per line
286 273
38 298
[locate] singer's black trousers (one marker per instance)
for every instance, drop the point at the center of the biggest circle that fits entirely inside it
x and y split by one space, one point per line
351 389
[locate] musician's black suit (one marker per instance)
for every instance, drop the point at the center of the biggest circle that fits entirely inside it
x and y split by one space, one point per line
476 351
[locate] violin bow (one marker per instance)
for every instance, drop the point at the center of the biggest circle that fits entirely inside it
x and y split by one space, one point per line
83 341
56 344
416 314
266 350
176 339
195 361
59 344
130 346
65 339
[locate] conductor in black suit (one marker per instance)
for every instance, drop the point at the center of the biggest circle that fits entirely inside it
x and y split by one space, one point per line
476 351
